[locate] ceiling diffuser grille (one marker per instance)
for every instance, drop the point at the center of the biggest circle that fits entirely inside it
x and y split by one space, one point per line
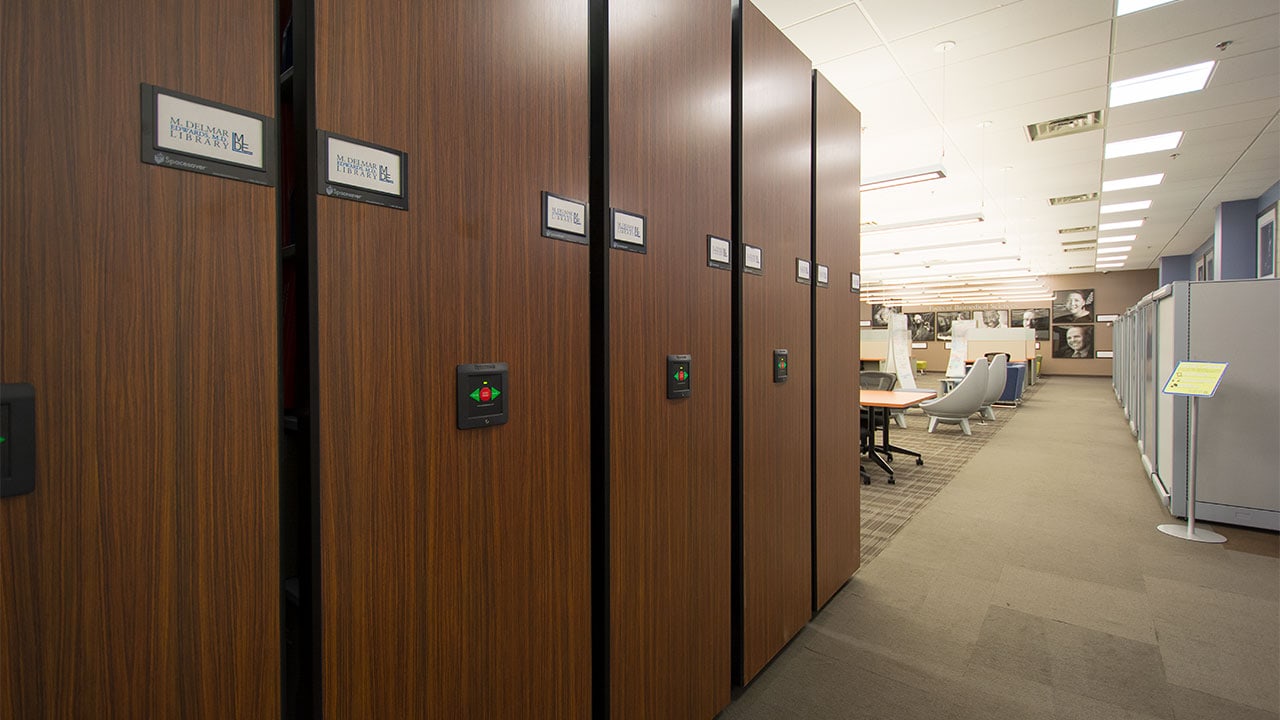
1071 199
1083 248
1080 267
1062 127
1082 228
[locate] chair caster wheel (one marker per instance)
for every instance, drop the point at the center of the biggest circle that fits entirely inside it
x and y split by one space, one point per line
919 461
888 457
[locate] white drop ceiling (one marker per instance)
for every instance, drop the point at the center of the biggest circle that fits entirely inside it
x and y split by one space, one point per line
1018 63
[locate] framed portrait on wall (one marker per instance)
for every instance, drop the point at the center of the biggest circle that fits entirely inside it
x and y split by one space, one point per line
944 320
1035 318
992 318
1267 243
880 314
921 326
1073 306
1073 341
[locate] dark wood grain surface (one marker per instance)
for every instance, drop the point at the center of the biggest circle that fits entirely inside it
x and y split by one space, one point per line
454 564
140 579
670 468
777 513
837 175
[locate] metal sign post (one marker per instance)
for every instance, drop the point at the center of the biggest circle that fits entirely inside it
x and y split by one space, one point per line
1194 380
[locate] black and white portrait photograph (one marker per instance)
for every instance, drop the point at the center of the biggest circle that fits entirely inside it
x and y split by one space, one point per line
880 314
1035 318
944 320
1072 306
992 318
1073 341
921 326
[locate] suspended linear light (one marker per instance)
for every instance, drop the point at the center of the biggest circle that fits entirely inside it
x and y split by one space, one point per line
1113 249
1132 182
930 223
909 177
1117 239
1122 225
1124 207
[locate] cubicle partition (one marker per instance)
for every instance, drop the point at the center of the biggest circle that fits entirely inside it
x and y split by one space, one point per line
1237 453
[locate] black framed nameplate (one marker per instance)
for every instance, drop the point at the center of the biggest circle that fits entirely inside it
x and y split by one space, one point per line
564 218
356 170
824 275
185 132
804 271
628 231
752 260
718 253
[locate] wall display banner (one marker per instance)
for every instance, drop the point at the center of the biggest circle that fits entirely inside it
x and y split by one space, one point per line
922 327
992 318
628 231
1035 318
564 218
752 260
1073 306
1073 341
959 346
362 172
718 253
900 352
944 320
189 133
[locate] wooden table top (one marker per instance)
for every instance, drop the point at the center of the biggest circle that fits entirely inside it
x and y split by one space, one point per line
895 398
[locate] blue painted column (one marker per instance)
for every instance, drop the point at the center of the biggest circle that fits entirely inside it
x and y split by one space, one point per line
1235 235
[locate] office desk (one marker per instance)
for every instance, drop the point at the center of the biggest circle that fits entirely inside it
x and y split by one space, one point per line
884 401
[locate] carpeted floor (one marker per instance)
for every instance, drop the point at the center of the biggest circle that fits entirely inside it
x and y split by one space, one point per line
887 508
1035 585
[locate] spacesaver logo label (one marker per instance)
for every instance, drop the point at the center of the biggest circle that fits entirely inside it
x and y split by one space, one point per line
209 132
364 167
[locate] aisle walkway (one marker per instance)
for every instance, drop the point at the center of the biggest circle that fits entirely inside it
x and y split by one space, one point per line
1035 585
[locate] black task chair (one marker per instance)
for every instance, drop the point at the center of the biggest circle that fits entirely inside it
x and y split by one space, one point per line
872 380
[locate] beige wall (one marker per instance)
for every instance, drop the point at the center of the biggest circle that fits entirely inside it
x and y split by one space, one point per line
1114 292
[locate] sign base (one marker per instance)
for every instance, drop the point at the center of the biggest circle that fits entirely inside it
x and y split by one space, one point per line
1184 532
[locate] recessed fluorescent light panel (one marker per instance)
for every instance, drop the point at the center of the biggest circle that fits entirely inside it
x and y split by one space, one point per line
1124 7
1117 239
1114 249
929 223
1109 265
1132 182
1125 207
1143 145
904 178
1162 84
1124 225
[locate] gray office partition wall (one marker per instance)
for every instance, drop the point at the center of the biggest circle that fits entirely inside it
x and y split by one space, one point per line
1238 456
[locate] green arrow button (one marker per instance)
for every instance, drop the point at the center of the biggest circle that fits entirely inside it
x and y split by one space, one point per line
475 395
496 393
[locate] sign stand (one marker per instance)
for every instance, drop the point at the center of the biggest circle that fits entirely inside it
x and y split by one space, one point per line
1194 380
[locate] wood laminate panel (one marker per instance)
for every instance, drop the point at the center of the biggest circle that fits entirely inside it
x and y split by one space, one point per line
776 480
670 498
140 579
454 564
837 175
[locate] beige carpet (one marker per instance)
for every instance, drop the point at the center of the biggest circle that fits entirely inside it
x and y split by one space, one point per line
886 509
1035 585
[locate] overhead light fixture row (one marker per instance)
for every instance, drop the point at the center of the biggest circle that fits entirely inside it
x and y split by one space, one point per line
1161 84
1113 249
929 223
1142 145
908 177
1124 7
1117 239
1122 225
1132 182
1124 207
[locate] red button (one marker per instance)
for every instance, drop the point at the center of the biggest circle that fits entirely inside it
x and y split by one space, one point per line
485 394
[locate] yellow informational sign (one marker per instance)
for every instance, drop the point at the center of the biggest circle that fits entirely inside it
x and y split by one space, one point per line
1200 379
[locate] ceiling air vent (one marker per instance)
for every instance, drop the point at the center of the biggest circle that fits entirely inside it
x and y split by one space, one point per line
1071 199
1080 267
1088 243
1065 126
1082 228
1082 248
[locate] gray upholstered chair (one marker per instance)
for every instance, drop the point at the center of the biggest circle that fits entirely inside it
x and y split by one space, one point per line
966 399
997 374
